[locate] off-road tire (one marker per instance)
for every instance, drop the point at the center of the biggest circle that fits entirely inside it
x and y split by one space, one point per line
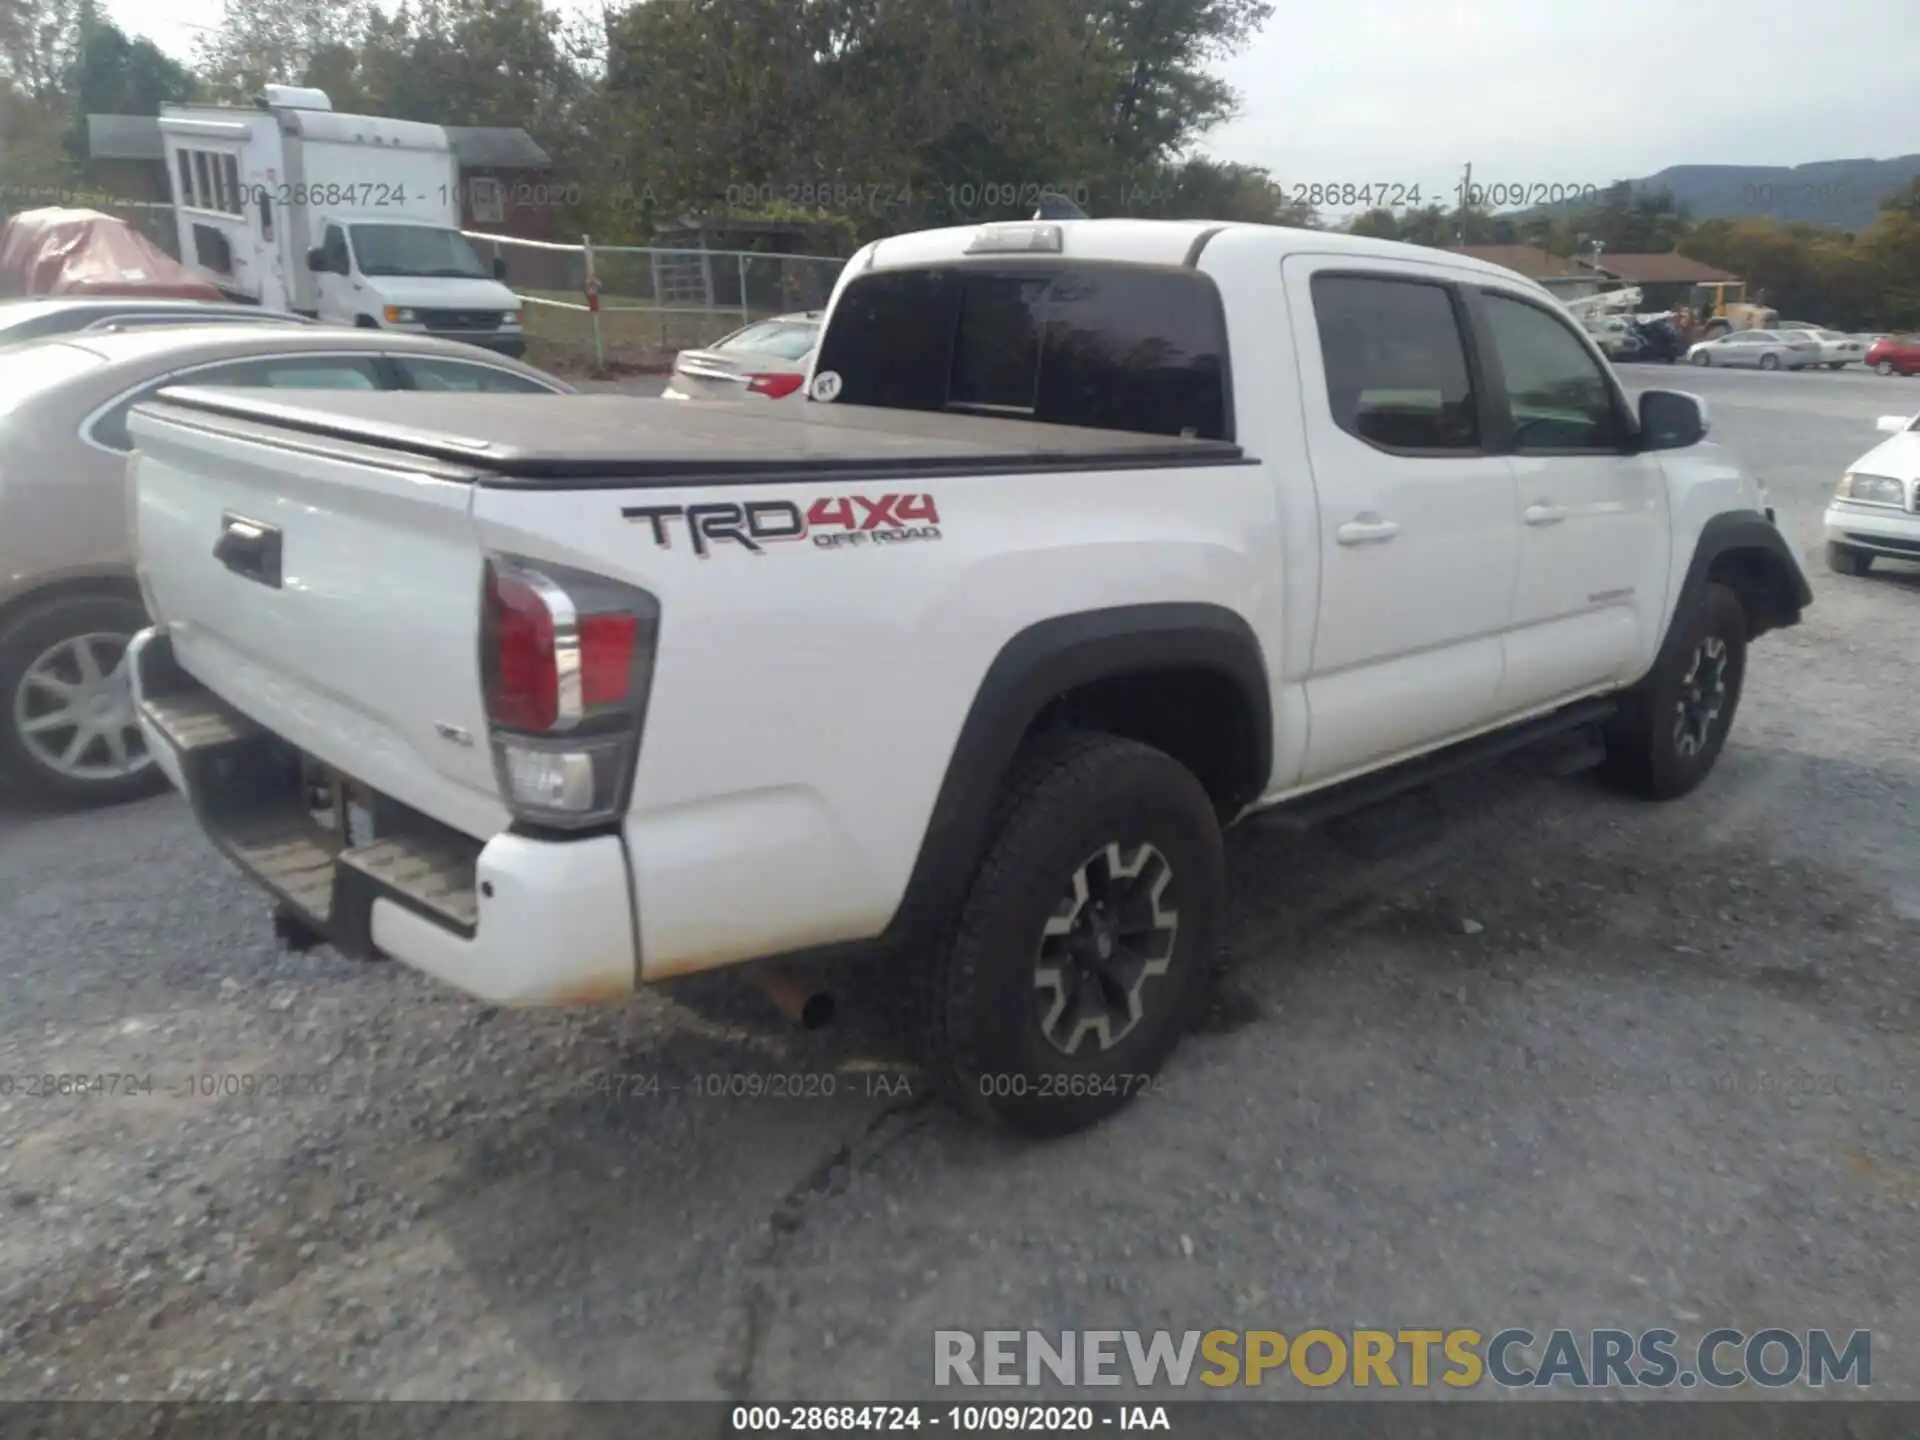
1645 754
23 640
978 1022
1845 560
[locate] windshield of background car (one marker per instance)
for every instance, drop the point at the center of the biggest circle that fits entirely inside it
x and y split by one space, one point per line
30 370
790 340
416 250
1107 345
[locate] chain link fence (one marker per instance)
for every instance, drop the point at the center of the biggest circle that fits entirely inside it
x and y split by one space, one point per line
632 307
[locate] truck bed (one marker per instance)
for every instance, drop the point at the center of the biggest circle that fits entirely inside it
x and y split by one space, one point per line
621 440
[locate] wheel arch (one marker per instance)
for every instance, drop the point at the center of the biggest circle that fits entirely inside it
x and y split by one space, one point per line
1064 670
116 584
1745 551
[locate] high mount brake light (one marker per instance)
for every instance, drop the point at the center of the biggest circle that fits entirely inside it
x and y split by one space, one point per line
566 665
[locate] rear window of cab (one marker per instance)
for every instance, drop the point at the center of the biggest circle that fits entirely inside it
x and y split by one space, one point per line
1108 346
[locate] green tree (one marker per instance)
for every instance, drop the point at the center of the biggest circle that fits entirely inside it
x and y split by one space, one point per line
113 75
264 42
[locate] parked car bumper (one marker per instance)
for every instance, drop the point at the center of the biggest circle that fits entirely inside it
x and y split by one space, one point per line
514 920
1875 528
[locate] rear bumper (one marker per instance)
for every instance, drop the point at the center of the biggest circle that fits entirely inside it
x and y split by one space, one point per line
516 920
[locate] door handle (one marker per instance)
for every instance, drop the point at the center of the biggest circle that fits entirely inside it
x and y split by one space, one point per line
1544 514
1365 531
249 549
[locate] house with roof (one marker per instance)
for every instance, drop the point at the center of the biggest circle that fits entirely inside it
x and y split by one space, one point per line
507 185
1566 279
1666 280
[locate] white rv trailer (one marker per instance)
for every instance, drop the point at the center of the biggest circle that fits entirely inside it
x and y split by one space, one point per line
353 219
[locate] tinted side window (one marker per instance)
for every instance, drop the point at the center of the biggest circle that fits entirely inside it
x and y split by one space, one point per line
1396 363
1108 346
419 374
335 248
1559 398
317 372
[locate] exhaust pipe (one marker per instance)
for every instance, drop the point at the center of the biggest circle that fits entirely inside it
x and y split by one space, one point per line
800 1001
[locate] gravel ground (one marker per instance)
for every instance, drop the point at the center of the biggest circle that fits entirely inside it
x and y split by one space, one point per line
1567 1061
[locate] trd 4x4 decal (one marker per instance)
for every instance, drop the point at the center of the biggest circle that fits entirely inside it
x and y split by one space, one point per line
833 522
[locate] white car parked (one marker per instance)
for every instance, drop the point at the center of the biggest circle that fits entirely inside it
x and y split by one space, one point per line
1764 349
1837 348
767 358
1874 510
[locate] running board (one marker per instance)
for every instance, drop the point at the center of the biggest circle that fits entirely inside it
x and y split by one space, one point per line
1582 751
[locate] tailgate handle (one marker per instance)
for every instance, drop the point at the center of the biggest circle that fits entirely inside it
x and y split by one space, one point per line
249 549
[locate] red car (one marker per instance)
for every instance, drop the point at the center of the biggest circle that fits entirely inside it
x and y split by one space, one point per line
1897 355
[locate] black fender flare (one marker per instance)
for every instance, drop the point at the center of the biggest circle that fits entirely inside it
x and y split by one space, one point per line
1033 669
1746 533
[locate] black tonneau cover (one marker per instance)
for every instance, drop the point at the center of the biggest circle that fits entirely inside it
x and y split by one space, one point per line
627 440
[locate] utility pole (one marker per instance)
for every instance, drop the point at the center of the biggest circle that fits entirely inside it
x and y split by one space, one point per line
1466 197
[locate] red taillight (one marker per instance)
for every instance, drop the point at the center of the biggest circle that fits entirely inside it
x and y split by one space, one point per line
775 387
607 645
566 664
523 683
551 662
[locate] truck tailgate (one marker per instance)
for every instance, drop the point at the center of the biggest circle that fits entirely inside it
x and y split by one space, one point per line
330 594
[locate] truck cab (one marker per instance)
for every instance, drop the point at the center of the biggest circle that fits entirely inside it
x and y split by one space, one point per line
376 271
276 203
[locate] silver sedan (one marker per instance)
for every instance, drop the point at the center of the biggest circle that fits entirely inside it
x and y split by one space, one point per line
1758 349
69 599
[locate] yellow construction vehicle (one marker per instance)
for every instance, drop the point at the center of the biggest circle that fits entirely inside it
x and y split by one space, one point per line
1720 307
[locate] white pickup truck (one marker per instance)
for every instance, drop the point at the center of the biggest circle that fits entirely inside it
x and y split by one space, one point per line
1095 538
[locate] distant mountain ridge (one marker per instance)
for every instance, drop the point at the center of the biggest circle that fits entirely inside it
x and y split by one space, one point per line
1842 193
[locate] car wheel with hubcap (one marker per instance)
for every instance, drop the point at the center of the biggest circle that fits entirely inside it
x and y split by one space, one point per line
1700 357
1672 727
1085 941
67 725
1770 362
1885 367
1845 560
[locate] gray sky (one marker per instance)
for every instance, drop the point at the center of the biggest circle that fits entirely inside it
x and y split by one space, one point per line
1406 91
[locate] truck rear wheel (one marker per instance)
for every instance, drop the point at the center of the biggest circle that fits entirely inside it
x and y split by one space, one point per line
1083 946
1671 730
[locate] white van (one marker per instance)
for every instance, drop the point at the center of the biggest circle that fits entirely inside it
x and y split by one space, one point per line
353 219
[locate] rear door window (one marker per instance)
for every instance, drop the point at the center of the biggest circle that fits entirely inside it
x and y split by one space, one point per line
291 372
417 373
1107 346
1396 363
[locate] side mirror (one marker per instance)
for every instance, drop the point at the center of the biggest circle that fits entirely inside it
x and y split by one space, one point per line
1671 420
1893 424
317 261
499 268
